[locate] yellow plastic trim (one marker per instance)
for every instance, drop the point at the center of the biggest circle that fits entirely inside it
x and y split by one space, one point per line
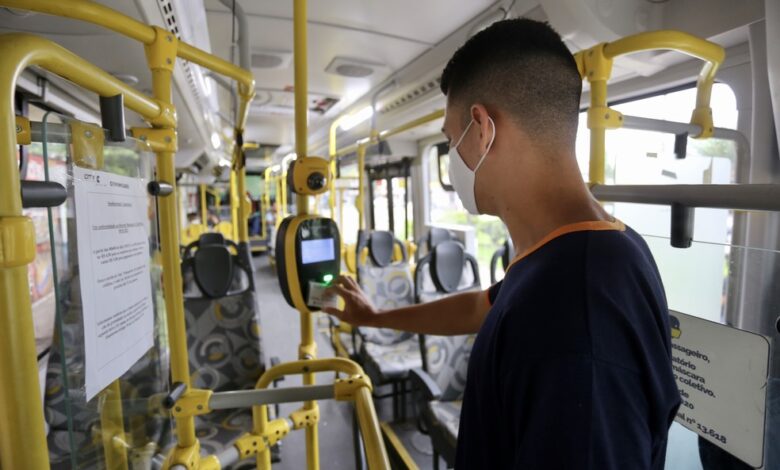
194 402
346 389
291 265
161 52
601 117
23 132
158 139
303 417
17 242
87 140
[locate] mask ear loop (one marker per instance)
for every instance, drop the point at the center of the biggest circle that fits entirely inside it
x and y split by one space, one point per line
463 134
484 155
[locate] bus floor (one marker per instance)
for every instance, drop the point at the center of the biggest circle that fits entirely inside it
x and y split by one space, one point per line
280 335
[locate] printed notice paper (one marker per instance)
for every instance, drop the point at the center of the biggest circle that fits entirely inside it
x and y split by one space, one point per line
116 293
722 376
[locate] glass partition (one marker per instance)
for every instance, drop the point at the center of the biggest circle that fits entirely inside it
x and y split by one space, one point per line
719 281
125 420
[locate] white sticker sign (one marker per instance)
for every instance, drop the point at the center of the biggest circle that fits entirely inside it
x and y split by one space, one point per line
116 293
721 373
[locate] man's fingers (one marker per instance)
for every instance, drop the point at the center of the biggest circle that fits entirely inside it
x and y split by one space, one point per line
333 311
338 290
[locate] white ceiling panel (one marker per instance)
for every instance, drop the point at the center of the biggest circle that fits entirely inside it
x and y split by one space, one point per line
324 44
427 21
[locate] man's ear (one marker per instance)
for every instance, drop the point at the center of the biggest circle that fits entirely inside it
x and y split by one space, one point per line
482 119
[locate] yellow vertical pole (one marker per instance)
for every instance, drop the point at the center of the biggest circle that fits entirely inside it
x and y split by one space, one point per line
234 203
307 348
598 133
333 160
204 210
283 190
360 200
243 208
266 202
161 55
23 439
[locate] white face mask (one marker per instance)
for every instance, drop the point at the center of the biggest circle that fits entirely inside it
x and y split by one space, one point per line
461 176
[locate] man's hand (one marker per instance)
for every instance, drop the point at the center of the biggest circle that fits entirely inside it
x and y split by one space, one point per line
358 310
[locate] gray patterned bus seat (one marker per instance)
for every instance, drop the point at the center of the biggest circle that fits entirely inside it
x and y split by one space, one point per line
386 354
449 270
223 331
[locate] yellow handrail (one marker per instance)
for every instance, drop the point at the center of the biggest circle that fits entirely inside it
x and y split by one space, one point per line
595 65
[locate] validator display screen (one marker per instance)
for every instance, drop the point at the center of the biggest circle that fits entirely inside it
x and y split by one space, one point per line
317 251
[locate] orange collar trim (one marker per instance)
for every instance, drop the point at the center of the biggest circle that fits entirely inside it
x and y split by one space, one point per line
594 225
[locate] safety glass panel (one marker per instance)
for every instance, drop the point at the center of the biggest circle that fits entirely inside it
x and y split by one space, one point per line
726 278
124 420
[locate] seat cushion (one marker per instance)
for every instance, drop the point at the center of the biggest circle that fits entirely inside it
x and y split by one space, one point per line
446 417
393 361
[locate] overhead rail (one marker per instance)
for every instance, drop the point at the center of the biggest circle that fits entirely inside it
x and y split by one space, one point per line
101 15
595 66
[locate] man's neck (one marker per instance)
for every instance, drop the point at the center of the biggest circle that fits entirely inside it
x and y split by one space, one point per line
553 206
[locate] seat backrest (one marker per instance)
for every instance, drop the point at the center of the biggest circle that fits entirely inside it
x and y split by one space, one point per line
437 235
445 271
505 254
223 327
387 283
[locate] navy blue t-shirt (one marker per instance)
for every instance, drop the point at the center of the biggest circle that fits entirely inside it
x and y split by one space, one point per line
572 366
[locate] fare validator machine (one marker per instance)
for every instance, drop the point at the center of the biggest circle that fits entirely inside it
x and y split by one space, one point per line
308 247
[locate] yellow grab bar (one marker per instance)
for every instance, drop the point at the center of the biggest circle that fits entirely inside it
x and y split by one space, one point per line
712 54
595 65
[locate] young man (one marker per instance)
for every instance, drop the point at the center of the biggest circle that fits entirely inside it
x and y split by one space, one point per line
571 368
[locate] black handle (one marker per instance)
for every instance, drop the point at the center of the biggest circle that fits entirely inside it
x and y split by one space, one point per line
159 188
42 194
173 396
112 116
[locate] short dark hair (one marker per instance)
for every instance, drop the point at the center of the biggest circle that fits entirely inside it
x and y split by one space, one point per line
522 67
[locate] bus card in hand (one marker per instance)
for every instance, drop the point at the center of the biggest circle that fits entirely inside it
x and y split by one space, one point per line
319 299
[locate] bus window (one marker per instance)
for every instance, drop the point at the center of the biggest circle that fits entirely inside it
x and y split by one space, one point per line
346 204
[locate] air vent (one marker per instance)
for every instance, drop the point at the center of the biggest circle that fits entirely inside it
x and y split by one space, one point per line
412 95
356 71
271 59
354 68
